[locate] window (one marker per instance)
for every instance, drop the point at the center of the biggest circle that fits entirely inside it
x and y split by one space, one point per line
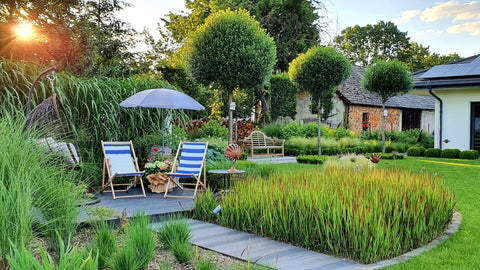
366 121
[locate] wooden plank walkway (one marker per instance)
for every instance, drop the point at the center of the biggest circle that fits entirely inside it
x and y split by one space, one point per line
153 205
262 250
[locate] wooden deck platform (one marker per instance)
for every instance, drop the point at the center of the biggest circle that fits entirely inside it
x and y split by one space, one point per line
153 205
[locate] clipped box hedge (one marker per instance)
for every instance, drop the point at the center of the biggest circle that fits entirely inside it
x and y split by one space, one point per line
433 152
311 159
469 154
416 151
450 153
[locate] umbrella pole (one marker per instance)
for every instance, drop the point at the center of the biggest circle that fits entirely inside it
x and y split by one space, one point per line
163 131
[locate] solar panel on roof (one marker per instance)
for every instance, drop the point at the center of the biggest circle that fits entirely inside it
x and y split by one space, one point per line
455 70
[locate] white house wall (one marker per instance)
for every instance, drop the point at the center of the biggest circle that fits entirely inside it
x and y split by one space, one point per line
428 121
456 117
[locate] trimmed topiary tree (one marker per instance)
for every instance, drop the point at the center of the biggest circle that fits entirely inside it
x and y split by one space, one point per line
319 71
230 51
387 79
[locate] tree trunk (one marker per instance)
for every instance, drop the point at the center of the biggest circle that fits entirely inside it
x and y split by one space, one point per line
319 128
230 118
263 100
383 127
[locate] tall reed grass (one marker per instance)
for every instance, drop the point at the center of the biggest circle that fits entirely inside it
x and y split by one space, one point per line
91 104
33 189
366 216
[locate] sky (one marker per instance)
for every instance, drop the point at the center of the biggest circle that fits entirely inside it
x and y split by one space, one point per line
445 26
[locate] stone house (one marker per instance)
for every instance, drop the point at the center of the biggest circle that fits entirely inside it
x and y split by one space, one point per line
456 88
357 108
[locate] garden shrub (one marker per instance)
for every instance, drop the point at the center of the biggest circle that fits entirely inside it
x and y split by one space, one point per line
348 142
284 211
273 130
469 154
212 128
301 146
293 129
311 159
311 130
450 153
416 151
433 152
373 146
400 147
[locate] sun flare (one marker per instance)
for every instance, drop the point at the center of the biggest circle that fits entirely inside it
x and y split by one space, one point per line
25 31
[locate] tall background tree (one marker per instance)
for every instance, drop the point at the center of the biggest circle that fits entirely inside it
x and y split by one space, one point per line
387 79
367 44
319 71
283 96
294 25
82 37
364 45
230 51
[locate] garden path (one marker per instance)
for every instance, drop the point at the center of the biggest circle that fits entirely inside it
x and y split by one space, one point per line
262 250
269 160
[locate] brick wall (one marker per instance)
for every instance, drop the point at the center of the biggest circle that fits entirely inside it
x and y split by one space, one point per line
355 117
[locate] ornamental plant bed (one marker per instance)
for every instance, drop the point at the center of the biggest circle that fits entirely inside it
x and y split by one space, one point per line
365 216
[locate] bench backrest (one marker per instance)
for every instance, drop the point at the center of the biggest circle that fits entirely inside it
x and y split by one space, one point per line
258 138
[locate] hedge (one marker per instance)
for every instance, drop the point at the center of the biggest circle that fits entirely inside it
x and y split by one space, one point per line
450 153
469 154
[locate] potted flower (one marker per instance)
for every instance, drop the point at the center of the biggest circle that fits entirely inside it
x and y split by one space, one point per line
156 168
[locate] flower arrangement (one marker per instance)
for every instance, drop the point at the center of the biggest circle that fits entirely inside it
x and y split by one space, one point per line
158 163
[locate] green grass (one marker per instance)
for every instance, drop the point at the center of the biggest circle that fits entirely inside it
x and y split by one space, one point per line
462 250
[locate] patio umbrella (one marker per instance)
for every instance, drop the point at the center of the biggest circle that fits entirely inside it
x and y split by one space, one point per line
163 99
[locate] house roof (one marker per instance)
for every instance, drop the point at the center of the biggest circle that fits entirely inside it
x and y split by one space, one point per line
462 73
353 93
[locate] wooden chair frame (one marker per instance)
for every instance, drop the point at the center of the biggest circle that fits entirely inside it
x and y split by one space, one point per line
108 171
173 176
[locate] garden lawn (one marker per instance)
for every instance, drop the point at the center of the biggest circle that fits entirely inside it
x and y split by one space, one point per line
462 250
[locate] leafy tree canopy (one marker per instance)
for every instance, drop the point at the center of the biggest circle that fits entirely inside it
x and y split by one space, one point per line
417 57
387 79
83 37
294 25
231 51
364 45
383 41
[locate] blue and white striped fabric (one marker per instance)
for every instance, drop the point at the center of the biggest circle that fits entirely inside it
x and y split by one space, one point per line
191 160
120 159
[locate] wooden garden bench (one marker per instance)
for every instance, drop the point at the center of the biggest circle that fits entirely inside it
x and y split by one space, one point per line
258 140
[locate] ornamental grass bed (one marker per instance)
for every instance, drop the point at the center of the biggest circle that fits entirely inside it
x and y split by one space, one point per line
365 216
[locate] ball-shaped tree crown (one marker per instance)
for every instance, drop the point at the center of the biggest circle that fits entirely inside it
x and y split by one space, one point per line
319 69
387 79
231 51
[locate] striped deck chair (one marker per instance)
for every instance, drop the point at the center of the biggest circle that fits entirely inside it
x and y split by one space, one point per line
190 165
120 161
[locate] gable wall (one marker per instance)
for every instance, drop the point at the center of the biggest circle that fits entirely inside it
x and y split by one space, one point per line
392 122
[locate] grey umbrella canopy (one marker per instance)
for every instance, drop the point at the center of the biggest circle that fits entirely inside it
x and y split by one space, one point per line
163 99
